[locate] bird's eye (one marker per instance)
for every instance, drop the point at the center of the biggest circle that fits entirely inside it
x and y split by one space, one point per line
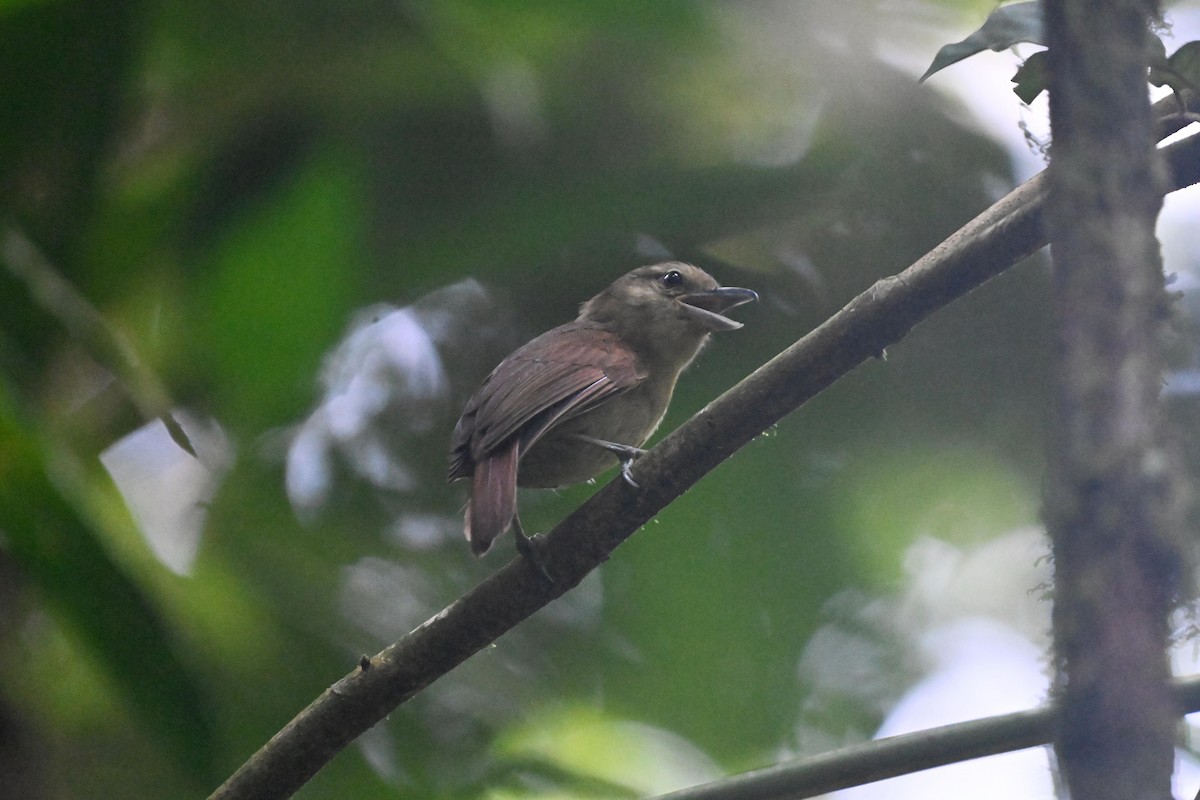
672 279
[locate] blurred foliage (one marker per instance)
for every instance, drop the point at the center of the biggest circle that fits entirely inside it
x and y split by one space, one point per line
1018 23
231 184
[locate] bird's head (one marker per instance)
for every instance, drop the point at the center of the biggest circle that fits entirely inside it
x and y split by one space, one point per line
668 309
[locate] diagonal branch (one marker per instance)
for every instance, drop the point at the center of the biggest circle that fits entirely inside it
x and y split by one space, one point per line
1002 236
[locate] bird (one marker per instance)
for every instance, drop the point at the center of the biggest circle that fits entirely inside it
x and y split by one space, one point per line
583 397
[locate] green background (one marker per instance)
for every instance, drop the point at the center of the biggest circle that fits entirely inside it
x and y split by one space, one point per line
231 183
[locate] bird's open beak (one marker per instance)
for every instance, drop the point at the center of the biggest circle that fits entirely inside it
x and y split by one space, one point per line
709 307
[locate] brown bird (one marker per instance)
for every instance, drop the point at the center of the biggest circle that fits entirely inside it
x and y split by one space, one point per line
586 395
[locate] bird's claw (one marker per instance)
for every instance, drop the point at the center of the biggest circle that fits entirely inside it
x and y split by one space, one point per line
529 551
627 454
627 473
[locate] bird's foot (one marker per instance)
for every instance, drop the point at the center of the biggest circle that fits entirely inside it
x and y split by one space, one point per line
529 550
627 474
627 453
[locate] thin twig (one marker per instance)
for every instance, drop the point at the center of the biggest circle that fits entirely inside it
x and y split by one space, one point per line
55 295
899 755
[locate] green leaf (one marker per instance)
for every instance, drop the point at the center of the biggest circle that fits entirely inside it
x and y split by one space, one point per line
1005 27
581 752
1031 78
282 280
1185 62
1180 71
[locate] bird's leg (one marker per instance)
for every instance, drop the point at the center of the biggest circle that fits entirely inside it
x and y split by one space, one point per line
627 453
528 550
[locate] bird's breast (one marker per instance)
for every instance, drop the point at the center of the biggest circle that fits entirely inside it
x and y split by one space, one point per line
630 418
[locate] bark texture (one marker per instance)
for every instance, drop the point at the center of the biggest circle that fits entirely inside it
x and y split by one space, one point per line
1114 506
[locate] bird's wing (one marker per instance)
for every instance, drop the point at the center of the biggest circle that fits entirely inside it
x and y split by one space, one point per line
560 374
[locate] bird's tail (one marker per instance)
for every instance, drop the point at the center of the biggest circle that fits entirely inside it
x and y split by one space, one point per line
493 503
